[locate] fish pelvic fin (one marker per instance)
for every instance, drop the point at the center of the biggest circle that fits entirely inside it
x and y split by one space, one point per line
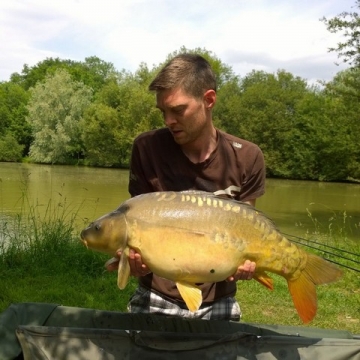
191 294
303 290
264 279
123 271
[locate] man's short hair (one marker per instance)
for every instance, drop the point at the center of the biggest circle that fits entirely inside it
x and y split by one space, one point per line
191 72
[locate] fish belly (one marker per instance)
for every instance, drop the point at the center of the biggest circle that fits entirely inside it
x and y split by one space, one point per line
181 255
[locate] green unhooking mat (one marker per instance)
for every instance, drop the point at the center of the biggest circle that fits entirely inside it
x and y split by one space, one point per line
47 331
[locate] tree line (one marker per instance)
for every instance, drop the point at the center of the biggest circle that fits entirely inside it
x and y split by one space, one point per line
87 112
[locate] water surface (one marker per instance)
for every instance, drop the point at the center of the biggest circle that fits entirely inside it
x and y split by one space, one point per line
92 192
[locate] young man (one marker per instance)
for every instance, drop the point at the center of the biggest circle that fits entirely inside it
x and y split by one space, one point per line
191 154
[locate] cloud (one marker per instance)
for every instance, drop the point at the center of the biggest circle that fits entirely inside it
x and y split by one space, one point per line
310 68
246 35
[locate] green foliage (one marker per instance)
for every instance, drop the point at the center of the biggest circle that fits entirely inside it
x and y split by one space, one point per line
13 101
55 110
121 111
10 149
42 260
223 72
103 137
93 72
262 108
339 228
348 24
305 132
343 94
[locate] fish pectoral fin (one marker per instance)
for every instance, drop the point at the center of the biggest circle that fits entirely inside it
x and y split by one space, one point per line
123 271
264 279
191 294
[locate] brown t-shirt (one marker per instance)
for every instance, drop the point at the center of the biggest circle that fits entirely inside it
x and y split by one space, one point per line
234 169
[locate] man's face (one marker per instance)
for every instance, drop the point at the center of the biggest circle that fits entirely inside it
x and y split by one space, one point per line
184 115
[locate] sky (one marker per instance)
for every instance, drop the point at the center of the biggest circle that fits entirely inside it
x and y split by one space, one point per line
247 35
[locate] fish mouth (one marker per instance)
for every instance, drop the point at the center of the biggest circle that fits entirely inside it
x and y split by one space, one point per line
84 241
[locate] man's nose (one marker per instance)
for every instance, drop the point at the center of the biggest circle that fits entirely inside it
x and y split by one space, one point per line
169 119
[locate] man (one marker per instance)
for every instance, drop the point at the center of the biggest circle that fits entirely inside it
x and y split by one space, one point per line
191 154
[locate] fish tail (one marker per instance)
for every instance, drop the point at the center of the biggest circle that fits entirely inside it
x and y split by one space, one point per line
303 290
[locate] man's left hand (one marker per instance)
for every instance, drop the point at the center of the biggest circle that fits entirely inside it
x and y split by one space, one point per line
244 272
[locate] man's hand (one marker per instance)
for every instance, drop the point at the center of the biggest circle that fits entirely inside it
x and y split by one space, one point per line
244 272
137 267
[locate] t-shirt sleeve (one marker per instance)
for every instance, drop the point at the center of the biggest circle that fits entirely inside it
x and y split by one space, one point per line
254 186
137 179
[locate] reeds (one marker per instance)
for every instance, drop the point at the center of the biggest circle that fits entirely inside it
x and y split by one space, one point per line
43 260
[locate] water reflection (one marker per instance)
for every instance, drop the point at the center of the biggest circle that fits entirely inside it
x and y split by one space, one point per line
92 192
298 206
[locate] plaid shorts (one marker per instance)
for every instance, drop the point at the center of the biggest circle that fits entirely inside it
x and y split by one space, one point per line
146 301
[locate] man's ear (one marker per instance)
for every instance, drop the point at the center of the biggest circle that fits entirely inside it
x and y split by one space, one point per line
210 99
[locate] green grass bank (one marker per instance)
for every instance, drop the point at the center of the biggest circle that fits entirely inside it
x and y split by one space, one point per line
42 260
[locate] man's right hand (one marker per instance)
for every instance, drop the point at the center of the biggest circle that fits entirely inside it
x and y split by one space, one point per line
137 267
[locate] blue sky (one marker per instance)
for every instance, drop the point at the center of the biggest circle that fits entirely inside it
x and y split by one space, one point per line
245 34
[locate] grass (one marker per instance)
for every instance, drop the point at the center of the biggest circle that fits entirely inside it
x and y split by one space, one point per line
338 304
42 260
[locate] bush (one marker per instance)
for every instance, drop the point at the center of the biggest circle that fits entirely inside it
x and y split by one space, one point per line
10 149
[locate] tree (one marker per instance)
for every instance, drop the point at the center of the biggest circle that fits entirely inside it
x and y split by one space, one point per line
93 72
10 149
261 107
225 115
30 76
349 24
122 109
104 137
223 72
346 85
344 92
13 101
55 110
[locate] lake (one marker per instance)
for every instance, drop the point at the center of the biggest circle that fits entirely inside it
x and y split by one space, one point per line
92 192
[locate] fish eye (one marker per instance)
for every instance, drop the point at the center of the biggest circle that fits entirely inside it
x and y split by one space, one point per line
97 227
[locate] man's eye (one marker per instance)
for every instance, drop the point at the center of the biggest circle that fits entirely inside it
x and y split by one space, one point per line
178 111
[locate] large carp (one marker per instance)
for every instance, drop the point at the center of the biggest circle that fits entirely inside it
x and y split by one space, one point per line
197 237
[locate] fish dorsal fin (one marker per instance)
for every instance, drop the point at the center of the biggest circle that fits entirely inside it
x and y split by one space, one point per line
123 270
196 192
191 294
